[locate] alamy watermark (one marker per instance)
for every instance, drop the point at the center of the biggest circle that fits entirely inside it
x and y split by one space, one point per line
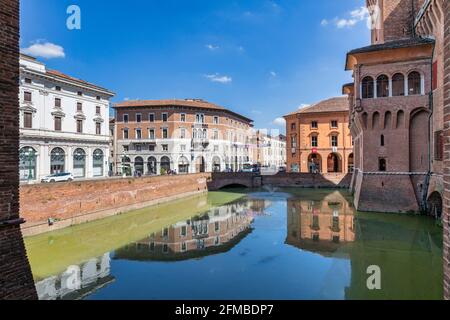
374 279
73 22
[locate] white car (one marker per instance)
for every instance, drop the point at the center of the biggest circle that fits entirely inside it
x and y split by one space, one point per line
58 177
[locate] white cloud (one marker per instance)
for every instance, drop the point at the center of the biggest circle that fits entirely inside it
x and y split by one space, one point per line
218 78
255 111
355 16
46 50
279 122
342 23
360 14
273 74
304 105
212 47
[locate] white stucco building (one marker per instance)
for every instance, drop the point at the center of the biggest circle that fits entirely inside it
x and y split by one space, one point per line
64 124
271 149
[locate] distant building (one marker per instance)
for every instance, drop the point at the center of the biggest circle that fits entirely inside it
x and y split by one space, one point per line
112 126
271 149
319 139
63 124
187 136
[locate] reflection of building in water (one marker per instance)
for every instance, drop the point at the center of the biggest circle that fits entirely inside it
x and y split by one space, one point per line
77 281
215 231
321 225
258 206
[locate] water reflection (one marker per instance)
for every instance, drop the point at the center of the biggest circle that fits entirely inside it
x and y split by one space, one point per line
77 282
320 226
302 244
215 231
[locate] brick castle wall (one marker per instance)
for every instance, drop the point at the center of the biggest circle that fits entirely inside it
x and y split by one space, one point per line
79 202
16 281
447 151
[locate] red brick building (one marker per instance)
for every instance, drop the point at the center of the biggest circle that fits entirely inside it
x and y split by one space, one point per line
396 109
16 281
446 93
319 139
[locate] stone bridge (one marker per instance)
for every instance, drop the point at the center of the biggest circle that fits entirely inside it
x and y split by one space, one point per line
302 180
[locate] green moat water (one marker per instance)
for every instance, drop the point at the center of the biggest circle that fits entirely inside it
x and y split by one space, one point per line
259 244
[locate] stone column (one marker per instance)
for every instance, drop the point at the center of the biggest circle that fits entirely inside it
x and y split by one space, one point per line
447 150
16 281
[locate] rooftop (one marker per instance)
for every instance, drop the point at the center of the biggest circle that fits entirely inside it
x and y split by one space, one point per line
337 104
31 63
404 43
192 103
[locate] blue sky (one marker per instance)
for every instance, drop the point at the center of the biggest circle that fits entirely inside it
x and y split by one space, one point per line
261 58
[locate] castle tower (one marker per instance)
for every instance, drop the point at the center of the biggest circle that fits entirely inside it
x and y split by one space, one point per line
393 19
390 112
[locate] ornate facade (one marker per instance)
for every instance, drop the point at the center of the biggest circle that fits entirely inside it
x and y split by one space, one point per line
63 124
187 136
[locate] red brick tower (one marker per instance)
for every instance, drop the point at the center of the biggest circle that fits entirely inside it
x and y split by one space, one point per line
393 19
390 111
16 281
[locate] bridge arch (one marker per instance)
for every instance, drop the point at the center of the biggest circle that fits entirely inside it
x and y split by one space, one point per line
230 180
434 204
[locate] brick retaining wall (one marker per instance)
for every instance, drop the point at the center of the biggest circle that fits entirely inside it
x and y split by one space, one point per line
16 281
78 202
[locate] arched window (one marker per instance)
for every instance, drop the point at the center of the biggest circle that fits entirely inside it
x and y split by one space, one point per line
183 165
151 165
414 83
365 116
139 166
216 164
98 158
398 85
367 88
79 163
382 140
165 165
382 165
388 120
57 161
382 86
27 163
376 120
400 119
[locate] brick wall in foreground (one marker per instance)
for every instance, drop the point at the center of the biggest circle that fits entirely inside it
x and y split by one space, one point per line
16 281
447 152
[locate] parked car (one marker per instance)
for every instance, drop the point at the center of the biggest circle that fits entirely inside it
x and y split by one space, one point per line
58 177
251 168
282 169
